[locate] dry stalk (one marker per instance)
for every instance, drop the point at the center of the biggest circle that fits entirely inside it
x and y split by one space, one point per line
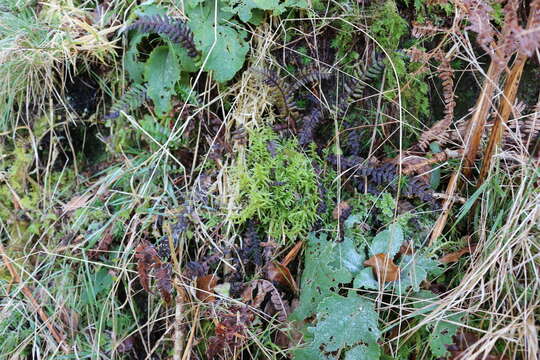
28 293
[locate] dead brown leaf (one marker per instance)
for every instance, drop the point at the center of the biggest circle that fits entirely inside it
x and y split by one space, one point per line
205 288
407 248
291 255
456 255
147 259
276 272
383 267
340 209
76 203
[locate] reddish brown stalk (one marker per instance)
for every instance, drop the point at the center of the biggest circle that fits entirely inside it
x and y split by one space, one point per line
475 126
507 101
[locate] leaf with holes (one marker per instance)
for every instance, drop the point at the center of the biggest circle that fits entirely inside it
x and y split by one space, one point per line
441 334
162 71
336 313
223 47
322 273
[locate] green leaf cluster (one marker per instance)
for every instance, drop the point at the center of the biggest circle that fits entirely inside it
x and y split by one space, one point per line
335 314
329 265
277 185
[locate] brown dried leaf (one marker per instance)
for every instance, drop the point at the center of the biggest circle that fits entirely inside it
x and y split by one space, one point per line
147 259
407 248
383 267
164 281
291 255
76 203
340 209
205 288
276 272
456 255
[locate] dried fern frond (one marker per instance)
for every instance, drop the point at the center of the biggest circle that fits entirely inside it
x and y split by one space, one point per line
176 30
132 99
427 29
439 131
525 131
282 92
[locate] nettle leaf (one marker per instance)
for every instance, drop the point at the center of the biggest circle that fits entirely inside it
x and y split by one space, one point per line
365 279
363 352
388 241
441 334
320 275
415 269
224 48
161 71
335 314
244 8
349 256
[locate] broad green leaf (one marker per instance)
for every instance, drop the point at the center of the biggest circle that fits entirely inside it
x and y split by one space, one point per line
161 71
388 241
134 67
244 8
441 333
223 47
349 256
363 352
415 269
186 62
344 322
365 279
320 276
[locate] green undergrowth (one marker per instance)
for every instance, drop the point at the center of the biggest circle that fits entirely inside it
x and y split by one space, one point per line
278 186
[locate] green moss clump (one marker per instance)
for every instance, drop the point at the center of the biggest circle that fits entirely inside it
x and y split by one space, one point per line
278 185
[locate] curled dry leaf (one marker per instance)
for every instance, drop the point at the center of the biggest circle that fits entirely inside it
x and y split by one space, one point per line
383 267
263 287
291 255
147 258
205 288
340 209
164 281
76 203
456 255
407 248
276 272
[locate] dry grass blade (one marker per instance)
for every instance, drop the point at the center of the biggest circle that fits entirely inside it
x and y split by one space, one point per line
28 294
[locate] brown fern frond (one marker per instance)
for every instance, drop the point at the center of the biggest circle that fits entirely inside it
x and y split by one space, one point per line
439 131
427 29
479 12
525 131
